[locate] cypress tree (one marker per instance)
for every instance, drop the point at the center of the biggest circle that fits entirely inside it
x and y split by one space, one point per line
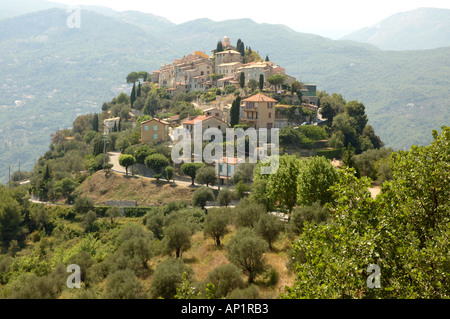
115 127
133 95
261 82
119 128
95 123
47 176
139 89
235 112
242 80
219 47
267 58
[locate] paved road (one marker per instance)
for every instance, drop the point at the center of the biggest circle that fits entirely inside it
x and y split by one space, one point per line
114 159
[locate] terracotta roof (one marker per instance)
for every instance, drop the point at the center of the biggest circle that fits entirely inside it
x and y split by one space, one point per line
201 118
259 98
157 120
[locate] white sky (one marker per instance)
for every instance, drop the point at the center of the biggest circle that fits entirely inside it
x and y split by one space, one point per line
331 18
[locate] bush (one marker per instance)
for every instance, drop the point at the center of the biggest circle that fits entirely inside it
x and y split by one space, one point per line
225 279
248 213
251 292
314 213
123 284
167 277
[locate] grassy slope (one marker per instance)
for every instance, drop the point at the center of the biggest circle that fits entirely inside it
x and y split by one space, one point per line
147 192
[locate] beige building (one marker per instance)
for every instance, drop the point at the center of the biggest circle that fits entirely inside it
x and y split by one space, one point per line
214 112
224 57
206 122
155 130
259 111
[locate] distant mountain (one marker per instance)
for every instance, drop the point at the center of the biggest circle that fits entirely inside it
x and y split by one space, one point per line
50 73
420 29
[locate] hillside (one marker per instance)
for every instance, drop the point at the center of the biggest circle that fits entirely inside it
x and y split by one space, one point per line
51 73
146 192
420 29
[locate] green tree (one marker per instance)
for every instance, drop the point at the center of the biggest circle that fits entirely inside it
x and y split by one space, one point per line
269 228
248 213
190 169
246 250
112 213
216 225
95 123
296 86
316 177
169 171
242 80
168 277
206 175
126 161
178 238
253 84
282 185
235 111
83 205
133 95
219 47
267 58
123 284
225 279
157 162
276 80
404 229
202 195
132 77
10 217
151 105
225 197
261 82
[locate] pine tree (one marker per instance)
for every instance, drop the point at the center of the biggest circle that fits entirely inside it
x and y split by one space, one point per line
261 82
242 80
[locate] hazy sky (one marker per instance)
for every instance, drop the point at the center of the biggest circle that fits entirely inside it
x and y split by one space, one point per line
325 17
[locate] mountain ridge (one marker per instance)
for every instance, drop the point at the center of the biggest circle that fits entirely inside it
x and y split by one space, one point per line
405 93
419 29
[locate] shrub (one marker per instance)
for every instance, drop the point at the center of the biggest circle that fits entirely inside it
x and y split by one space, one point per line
225 279
167 277
123 284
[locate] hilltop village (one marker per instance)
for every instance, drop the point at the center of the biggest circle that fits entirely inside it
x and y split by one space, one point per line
109 197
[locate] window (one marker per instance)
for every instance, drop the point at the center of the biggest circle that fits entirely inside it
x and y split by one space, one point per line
146 127
270 115
155 127
269 105
155 136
